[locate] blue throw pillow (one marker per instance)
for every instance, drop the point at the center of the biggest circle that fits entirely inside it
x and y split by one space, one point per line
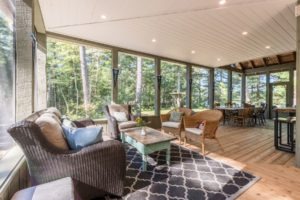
78 138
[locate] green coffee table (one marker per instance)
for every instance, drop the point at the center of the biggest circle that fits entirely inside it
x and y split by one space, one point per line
153 141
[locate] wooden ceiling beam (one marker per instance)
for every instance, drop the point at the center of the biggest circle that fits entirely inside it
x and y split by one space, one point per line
242 66
278 59
265 62
253 64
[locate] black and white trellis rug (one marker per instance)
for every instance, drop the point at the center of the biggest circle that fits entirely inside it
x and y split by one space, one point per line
190 176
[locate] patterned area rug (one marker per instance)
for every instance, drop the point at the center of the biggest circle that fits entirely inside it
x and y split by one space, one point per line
190 176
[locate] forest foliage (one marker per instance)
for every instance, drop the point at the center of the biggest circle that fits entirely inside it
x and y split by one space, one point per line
82 93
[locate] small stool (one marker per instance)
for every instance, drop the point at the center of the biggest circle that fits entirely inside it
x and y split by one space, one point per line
61 189
289 146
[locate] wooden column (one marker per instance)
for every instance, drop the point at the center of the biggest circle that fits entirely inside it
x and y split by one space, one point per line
40 92
229 86
24 59
268 100
114 82
298 86
211 88
243 99
189 86
157 86
291 88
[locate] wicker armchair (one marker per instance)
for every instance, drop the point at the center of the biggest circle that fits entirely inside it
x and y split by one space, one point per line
172 127
115 127
211 119
101 166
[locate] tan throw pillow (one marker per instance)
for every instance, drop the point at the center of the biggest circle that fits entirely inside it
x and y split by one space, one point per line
52 131
55 111
52 115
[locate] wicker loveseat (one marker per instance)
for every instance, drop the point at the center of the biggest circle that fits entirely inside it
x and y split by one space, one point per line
101 166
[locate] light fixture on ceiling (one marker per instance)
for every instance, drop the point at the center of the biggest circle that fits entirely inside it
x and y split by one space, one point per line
245 33
222 2
193 52
153 40
268 47
219 59
103 17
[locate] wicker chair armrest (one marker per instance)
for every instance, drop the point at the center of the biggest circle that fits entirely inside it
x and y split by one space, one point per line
164 117
84 123
102 166
190 122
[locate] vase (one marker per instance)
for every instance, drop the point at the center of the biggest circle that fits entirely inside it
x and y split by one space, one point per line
143 131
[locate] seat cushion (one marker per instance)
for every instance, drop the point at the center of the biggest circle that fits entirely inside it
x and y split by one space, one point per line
126 125
52 131
79 138
56 190
196 131
171 124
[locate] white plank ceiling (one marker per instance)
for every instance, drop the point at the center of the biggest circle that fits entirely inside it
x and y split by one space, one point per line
213 31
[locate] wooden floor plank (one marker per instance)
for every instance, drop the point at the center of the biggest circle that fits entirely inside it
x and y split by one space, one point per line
252 149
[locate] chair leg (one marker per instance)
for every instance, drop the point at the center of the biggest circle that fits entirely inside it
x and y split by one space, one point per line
219 143
184 141
203 147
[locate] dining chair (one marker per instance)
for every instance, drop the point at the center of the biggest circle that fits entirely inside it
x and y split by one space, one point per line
245 116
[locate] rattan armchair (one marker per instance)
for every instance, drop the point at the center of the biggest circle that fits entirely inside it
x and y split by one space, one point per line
174 128
211 119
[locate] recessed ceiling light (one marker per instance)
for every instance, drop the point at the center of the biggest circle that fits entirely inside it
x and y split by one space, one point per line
245 33
219 59
103 16
153 40
222 2
268 47
193 52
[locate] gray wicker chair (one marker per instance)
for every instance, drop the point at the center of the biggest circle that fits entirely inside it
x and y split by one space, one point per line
101 166
115 127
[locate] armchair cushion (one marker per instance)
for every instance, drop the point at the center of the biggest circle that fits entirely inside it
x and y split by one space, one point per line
52 131
54 111
175 116
196 131
119 108
171 124
126 125
68 123
82 137
120 116
52 115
